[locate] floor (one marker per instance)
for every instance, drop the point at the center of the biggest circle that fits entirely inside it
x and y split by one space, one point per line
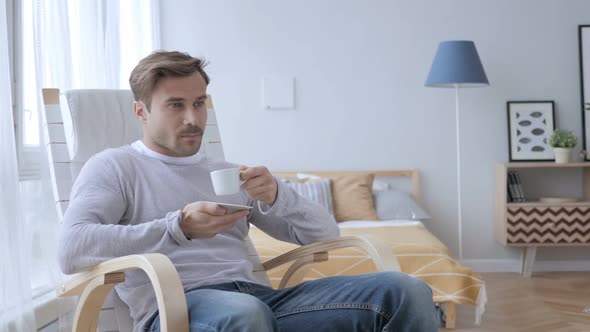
554 301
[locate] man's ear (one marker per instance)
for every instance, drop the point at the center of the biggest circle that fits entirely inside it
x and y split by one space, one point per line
140 111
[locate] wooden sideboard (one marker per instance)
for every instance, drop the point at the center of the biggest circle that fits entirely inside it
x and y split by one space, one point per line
538 224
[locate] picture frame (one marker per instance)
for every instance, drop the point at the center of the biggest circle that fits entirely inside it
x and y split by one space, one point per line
530 123
584 51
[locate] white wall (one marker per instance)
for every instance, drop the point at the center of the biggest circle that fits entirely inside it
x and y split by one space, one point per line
361 103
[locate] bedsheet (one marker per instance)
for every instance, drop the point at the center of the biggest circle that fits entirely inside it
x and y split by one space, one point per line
418 252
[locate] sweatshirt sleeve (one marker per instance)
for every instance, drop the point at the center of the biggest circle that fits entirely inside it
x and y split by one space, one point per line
293 218
91 232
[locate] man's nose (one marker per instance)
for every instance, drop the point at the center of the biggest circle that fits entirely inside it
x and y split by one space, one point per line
190 117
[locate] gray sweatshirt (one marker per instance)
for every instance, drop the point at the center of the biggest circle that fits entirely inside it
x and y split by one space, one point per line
128 200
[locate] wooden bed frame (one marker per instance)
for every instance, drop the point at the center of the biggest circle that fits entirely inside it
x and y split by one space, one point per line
414 175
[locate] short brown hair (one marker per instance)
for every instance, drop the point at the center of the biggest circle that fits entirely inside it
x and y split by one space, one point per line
145 76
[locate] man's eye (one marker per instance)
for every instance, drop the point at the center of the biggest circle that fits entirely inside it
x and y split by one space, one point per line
176 105
199 104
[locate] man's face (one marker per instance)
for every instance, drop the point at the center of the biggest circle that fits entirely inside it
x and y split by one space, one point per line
177 116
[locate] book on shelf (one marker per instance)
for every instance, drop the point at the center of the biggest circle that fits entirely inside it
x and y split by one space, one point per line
519 187
515 192
511 190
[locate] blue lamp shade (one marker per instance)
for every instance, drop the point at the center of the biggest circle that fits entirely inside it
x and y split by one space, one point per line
456 64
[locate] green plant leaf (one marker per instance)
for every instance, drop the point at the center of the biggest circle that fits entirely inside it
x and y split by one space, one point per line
562 138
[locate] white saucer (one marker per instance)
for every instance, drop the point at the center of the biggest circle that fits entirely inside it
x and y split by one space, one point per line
232 207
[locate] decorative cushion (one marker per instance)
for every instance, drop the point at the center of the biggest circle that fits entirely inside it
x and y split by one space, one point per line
353 198
317 191
396 204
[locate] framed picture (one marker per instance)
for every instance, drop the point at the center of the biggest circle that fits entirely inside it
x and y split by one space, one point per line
530 123
584 47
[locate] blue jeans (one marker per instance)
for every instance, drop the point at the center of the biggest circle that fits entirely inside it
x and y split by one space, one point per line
385 301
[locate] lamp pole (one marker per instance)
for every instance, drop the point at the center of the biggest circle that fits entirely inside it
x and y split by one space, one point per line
459 211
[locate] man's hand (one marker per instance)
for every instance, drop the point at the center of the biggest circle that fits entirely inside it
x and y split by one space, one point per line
205 220
259 183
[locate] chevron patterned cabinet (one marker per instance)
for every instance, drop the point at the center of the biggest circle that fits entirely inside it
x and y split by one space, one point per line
548 224
541 224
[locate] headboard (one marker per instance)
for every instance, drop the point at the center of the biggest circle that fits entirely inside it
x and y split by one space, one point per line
413 174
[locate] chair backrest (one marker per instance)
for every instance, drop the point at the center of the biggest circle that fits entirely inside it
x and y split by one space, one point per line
80 123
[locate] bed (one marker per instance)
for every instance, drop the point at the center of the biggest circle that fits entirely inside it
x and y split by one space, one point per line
414 249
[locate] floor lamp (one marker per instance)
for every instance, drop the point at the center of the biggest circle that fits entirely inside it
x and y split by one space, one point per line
457 65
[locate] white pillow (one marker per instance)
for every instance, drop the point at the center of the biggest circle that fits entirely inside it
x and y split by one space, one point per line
380 185
396 204
318 191
305 176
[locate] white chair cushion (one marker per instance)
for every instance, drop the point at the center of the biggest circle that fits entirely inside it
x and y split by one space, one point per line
111 123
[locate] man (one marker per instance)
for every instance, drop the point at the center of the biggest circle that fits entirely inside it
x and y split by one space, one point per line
151 196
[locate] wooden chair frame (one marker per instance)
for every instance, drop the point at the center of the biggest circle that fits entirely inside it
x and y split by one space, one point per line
94 284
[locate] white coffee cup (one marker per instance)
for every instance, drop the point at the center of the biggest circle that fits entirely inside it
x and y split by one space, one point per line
226 181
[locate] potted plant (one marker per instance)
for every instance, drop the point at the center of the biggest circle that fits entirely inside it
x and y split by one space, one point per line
562 141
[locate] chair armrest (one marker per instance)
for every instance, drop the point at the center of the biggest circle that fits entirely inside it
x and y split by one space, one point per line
318 252
94 284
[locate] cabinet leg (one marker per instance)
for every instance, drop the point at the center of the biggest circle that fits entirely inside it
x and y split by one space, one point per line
527 259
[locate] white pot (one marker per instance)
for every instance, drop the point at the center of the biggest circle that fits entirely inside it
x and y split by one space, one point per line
562 155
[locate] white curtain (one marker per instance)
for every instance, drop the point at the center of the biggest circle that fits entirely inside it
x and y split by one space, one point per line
92 43
16 305
77 44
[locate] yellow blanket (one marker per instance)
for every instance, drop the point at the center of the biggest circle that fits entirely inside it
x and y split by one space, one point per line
418 252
